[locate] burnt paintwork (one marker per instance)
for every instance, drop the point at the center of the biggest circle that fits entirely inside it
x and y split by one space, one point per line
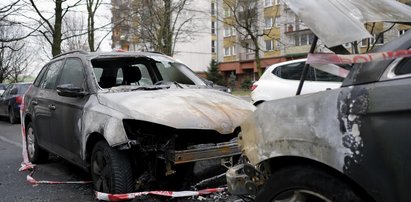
361 130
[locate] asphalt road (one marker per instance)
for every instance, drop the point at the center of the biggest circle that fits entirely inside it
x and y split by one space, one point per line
14 186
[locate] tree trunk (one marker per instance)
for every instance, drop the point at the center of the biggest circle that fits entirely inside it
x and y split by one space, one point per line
56 46
167 34
90 25
257 57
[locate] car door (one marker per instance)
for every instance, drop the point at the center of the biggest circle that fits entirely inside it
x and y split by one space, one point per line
68 111
42 109
385 129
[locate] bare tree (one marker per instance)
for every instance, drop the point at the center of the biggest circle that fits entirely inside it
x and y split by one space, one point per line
160 23
92 6
52 32
74 26
14 57
244 17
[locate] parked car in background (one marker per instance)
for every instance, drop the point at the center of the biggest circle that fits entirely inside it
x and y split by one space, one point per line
281 80
11 99
2 88
346 144
134 120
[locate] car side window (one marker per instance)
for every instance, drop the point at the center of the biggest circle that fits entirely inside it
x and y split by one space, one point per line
73 73
40 76
324 76
50 77
404 67
292 71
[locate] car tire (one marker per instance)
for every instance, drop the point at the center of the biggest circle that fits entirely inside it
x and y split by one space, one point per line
35 153
306 183
111 170
12 117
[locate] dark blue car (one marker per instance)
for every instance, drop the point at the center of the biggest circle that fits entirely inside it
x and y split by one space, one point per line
11 99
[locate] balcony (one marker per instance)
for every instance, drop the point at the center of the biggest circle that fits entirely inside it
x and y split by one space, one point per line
295 27
247 56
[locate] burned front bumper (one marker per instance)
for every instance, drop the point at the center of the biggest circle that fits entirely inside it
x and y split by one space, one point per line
221 150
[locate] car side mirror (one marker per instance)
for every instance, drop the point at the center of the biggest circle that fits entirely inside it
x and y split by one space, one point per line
69 90
208 82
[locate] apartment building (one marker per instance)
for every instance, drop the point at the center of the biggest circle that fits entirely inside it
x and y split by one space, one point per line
283 37
193 48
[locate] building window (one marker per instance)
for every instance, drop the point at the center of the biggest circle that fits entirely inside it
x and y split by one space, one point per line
233 52
227 51
277 2
232 30
213 46
269 46
268 3
227 12
268 22
303 39
401 32
249 47
227 31
212 27
363 43
212 9
378 39
277 21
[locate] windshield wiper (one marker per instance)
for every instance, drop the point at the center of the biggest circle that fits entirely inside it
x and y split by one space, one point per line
157 87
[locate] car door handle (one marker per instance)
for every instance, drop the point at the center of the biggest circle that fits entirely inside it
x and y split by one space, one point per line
34 102
52 107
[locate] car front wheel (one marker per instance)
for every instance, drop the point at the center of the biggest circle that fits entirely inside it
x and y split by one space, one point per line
35 153
306 183
111 170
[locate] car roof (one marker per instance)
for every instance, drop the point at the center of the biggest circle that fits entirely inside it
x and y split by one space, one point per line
108 54
372 71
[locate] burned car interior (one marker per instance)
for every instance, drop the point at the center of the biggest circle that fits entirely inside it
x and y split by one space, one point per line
138 71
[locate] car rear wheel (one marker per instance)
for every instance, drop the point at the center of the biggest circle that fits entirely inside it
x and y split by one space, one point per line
12 117
306 183
111 170
35 153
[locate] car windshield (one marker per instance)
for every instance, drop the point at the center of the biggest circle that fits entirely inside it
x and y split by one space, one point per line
142 73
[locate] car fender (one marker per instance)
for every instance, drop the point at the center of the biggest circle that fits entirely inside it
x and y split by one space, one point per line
100 119
315 126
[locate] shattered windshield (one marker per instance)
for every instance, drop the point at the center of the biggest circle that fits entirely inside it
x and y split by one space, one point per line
142 73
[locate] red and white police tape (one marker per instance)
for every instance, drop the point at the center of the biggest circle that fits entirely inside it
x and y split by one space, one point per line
173 194
331 58
26 165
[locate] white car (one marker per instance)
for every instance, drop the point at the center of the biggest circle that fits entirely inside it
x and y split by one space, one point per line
281 80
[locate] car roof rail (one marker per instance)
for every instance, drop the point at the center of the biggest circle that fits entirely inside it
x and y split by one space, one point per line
155 52
70 52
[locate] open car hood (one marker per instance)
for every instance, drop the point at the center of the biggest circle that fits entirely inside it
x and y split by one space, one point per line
337 22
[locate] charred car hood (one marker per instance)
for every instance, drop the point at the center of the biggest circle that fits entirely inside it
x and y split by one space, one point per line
181 108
